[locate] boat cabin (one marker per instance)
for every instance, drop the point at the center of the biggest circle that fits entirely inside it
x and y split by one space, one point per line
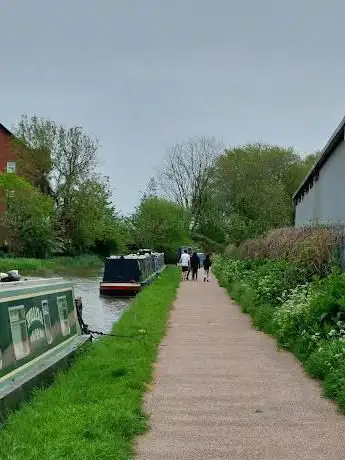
38 328
35 316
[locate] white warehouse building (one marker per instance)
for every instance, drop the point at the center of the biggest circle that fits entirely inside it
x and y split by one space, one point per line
320 199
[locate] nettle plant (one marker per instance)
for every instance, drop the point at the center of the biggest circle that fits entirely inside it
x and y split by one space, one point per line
291 318
337 334
229 270
274 278
312 311
329 355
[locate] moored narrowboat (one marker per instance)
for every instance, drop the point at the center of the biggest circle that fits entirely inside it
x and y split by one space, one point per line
125 276
39 330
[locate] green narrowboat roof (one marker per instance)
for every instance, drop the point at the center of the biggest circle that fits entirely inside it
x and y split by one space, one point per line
32 288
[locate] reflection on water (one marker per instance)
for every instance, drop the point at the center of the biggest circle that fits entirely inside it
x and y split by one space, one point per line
99 313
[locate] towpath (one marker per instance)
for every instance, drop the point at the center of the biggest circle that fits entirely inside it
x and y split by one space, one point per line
223 391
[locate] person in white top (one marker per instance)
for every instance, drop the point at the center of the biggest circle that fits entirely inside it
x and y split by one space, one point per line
185 262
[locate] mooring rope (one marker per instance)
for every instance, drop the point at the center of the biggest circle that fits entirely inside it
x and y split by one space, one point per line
115 335
85 328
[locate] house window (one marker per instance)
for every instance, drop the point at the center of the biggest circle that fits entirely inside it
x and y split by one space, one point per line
47 322
19 331
63 314
11 166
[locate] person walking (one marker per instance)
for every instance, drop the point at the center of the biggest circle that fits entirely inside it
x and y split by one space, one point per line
207 264
195 265
185 264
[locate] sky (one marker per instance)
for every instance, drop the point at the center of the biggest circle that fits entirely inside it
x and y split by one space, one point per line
143 75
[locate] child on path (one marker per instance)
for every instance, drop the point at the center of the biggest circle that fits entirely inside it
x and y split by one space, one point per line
207 264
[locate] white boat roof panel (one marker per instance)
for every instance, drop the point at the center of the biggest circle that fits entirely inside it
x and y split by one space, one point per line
37 284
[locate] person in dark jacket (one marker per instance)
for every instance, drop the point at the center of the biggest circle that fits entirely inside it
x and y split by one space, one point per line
195 265
190 268
207 264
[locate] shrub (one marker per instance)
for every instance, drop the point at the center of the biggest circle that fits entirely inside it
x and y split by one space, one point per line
313 310
269 279
313 249
263 318
334 383
78 264
273 278
28 223
245 295
289 319
328 357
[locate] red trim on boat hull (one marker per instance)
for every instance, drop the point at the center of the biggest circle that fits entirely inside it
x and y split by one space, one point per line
121 288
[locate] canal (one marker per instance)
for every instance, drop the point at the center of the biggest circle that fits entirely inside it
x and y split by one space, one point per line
99 313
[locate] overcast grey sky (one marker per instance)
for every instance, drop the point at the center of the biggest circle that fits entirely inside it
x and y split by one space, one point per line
142 75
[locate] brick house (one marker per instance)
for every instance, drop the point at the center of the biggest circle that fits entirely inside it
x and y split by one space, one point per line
7 154
33 173
7 164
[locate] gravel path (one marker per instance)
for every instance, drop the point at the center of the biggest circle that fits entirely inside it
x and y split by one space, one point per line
223 391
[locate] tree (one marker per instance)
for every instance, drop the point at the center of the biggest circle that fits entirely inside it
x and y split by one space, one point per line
90 220
151 189
212 226
51 152
162 225
27 224
254 186
62 163
187 174
32 143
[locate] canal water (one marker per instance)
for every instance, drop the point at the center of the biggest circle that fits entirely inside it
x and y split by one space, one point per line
99 313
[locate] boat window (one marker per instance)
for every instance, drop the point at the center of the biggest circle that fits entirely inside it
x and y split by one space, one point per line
47 322
63 314
19 331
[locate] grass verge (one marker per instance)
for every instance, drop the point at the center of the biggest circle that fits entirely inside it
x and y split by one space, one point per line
95 409
78 265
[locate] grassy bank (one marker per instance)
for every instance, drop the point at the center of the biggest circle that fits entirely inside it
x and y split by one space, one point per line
95 410
77 264
306 314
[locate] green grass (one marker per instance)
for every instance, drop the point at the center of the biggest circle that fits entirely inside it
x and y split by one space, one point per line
78 264
95 409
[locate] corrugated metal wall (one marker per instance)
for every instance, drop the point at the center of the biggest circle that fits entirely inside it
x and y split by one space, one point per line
324 203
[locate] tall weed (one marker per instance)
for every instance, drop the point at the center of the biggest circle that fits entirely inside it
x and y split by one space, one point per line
313 249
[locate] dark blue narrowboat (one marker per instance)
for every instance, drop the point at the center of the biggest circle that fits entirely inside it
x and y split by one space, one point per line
125 276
